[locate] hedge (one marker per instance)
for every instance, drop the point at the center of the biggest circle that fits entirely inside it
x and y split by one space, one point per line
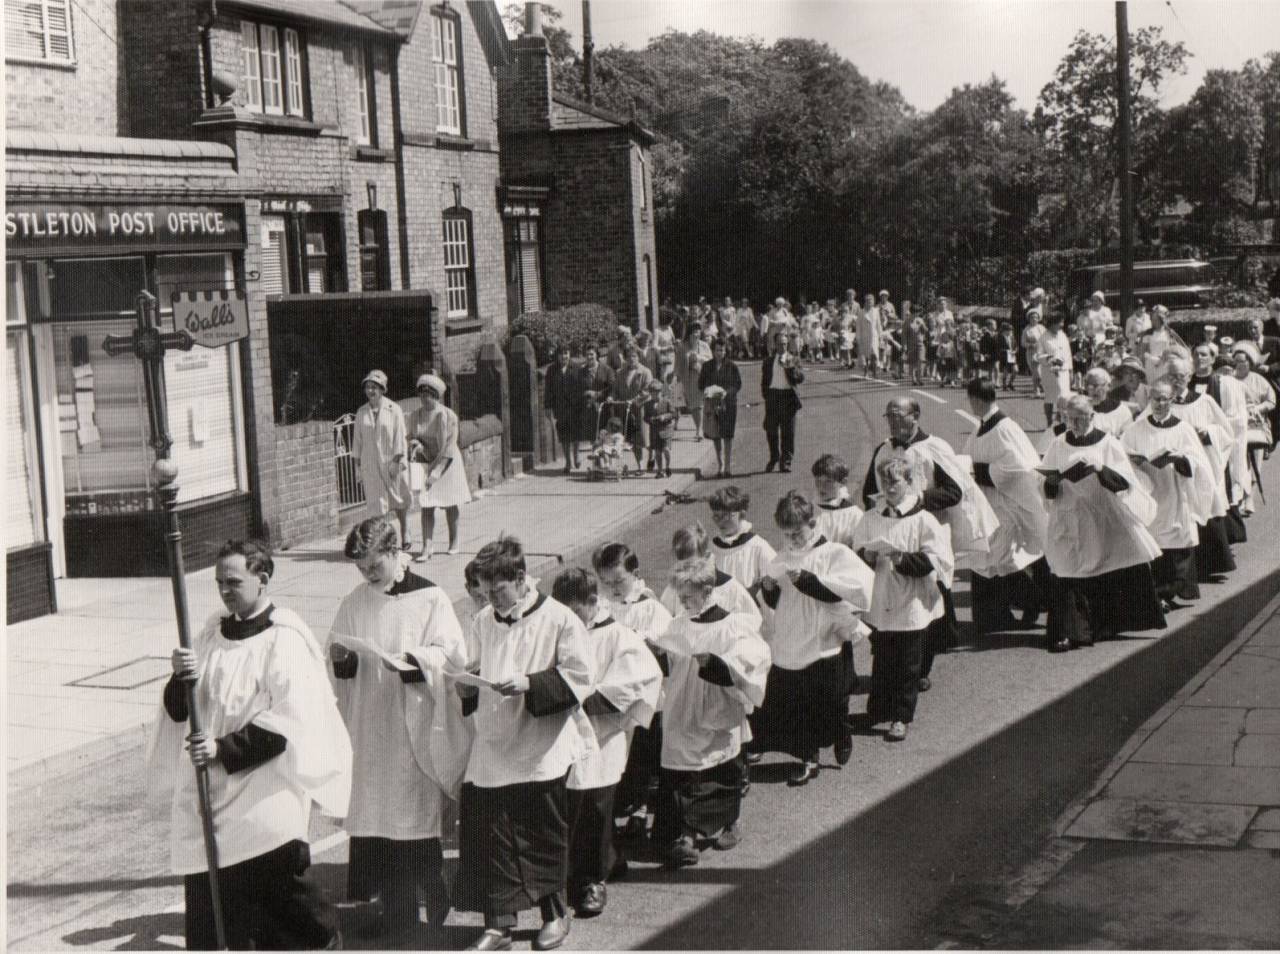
576 327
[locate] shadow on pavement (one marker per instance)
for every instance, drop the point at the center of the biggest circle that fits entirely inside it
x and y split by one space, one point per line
877 881
141 933
63 888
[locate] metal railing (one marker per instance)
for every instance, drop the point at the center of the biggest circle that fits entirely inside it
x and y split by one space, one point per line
345 465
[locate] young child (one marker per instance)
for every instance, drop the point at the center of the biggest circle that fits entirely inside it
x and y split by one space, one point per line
1008 355
738 550
634 605
628 682
660 415
838 516
910 553
611 445
690 542
273 743
947 357
529 731
716 666
396 818
816 590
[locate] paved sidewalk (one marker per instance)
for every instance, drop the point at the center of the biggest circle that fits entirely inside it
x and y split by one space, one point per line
84 682
1177 845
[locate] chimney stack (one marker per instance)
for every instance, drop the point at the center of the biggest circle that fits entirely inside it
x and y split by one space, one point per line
588 51
533 19
525 85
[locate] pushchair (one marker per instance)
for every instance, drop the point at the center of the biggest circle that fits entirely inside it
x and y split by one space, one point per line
608 457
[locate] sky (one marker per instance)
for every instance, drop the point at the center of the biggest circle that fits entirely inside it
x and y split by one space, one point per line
926 48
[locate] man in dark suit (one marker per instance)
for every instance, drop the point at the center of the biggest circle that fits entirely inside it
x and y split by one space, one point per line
779 378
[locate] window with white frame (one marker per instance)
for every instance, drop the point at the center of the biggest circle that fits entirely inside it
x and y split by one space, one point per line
38 30
448 75
272 69
364 95
458 270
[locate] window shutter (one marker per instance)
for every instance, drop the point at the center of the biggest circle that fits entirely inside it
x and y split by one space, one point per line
58 27
274 270
293 72
530 279
38 30
272 95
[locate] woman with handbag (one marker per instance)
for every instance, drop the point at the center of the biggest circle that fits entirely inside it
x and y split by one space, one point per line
433 446
720 413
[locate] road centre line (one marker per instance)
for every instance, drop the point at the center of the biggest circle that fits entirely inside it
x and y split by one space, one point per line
967 416
931 397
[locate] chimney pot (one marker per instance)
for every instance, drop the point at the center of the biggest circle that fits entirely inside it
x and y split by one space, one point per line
533 19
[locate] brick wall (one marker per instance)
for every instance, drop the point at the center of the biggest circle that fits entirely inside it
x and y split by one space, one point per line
162 68
524 96
305 489
82 97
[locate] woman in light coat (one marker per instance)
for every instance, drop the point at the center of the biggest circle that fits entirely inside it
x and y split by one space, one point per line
381 450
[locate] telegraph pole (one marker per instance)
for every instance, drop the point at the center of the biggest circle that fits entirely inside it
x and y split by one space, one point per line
588 50
1126 161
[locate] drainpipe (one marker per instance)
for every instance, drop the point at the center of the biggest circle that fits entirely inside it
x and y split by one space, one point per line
588 50
402 215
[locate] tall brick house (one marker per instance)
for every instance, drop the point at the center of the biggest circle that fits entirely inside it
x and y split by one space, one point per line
347 153
577 202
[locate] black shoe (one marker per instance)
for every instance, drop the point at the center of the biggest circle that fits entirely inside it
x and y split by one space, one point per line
682 854
925 684
753 758
844 749
806 772
635 828
1061 646
649 464
768 468
592 901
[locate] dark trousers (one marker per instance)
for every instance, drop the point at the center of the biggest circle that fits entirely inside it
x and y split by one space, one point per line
632 793
780 426
895 675
942 634
268 904
698 804
396 870
591 849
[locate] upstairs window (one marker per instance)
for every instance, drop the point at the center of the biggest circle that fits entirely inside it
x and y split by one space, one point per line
460 276
272 69
38 30
367 133
446 58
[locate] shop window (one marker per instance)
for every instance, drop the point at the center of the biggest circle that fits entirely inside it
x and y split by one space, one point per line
38 30
375 258
446 57
273 69
526 260
365 106
459 272
103 423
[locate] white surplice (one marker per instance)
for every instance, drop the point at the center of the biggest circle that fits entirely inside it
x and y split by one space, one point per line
703 724
1093 531
1016 498
1182 503
409 739
728 594
805 629
511 744
1205 415
275 680
628 676
837 519
902 603
744 557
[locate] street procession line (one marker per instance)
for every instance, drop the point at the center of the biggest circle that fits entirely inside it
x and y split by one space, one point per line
931 397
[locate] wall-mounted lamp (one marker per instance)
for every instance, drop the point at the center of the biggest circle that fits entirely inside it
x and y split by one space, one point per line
457 195
372 189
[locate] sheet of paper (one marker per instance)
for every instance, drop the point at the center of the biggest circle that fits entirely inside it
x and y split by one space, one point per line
366 648
880 546
471 679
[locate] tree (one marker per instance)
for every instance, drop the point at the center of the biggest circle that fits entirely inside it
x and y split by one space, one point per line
1077 113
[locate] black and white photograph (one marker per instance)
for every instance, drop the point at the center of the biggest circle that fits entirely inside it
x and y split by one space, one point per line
641 474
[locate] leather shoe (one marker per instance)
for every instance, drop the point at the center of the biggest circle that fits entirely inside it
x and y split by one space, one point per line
492 940
925 684
592 901
731 837
897 732
768 468
784 469
682 854
804 774
844 749
1061 646
753 758
553 933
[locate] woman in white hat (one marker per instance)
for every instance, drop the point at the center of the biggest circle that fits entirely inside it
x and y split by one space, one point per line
433 440
380 447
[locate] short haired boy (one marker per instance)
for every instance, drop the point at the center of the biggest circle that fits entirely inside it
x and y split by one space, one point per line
529 730
660 416
716 665
816 591
737 549
836 512
692 542
628 682
634 605
910 552
273 744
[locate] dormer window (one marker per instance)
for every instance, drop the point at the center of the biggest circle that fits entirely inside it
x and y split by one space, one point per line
273 69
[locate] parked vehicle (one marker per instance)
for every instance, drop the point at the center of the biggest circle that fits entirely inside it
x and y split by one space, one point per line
1174 283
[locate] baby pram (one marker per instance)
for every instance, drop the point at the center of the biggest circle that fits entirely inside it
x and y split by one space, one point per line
608 457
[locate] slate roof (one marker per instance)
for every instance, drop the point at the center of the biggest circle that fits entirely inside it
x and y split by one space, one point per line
329 12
